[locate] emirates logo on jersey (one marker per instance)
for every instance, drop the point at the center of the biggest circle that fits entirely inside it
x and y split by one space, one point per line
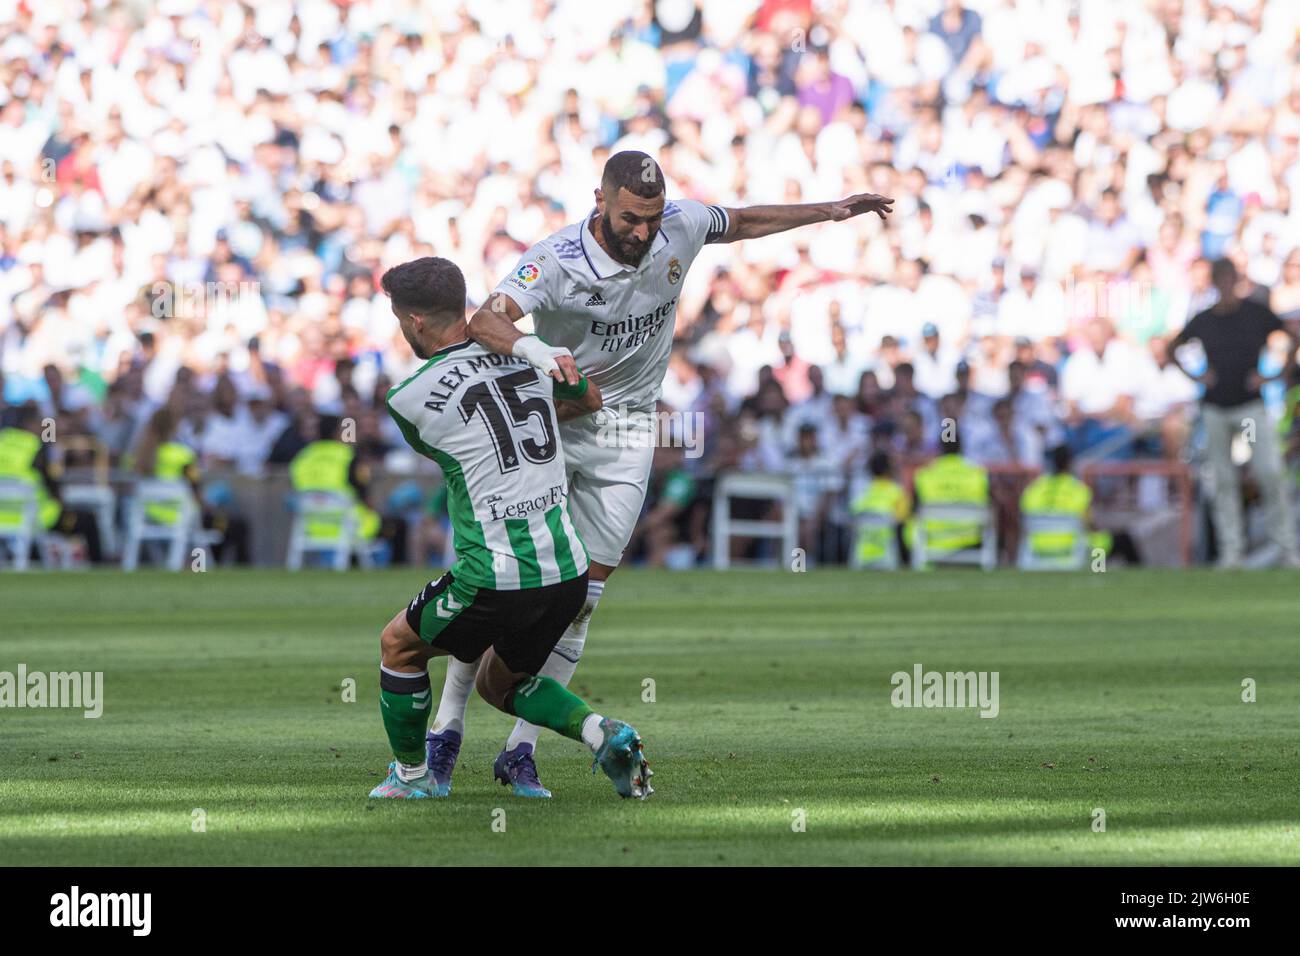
633 331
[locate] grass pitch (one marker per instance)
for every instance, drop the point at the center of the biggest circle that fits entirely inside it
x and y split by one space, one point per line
1119 691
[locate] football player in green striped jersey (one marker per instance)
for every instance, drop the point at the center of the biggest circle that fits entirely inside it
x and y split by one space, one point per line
520 574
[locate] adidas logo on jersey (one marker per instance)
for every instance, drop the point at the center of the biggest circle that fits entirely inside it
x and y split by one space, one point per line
596 300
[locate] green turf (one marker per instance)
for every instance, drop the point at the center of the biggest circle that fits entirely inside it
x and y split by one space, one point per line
1119 691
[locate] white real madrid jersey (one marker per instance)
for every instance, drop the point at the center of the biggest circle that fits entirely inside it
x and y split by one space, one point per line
616 319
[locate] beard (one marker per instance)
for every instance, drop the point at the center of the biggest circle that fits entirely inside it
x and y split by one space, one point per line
628 251
420 351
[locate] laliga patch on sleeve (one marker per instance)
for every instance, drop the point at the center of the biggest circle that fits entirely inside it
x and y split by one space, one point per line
526 275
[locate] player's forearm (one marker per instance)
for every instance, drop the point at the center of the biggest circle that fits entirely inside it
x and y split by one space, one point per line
568 408
494 330
751 222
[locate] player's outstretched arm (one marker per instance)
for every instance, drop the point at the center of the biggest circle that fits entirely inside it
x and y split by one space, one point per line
493 327
751 222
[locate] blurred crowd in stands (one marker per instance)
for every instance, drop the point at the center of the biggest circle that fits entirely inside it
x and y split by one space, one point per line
197 199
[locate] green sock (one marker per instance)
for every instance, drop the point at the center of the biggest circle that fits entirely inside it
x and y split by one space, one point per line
404 704
547 703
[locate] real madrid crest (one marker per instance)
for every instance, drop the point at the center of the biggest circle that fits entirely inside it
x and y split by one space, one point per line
674 270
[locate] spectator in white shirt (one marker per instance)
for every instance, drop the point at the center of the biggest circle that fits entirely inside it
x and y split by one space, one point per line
1032 309
1008 439
843 373
817 479
1098 385
935 364
1033 404
845 433
261 427
1113 241
1165 398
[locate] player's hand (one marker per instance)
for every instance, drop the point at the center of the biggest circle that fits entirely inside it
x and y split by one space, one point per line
882 206
566 369
553 360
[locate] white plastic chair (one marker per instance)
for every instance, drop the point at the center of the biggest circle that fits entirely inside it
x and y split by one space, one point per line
878 524
776 488
978 516
334 510
1030 524
177 536
18 497
101 502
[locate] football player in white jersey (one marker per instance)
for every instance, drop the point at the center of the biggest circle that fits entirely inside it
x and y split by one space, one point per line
603 295
520 576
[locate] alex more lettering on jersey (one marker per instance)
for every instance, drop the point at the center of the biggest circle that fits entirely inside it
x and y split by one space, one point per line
489 422
616 319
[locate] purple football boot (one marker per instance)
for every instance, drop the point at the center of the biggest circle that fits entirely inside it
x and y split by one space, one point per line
517 769
441 750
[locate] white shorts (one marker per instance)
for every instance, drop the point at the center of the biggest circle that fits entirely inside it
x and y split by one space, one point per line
608 460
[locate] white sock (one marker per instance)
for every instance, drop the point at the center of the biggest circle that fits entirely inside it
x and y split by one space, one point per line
562 662
592 735
409 772
456 689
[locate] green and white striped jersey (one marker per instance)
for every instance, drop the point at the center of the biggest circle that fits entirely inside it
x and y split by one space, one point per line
489 422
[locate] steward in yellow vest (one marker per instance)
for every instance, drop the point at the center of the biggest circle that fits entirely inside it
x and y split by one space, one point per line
159 455
25 458
22 459
882 496
173 462
331 465
1060 493
951 479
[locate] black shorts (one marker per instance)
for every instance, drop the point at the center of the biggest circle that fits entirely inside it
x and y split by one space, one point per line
521 626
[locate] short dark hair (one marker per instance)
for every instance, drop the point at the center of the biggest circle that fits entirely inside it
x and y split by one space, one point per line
29 415
428 286
1223 270
1061 458
634 171
879 464
327 426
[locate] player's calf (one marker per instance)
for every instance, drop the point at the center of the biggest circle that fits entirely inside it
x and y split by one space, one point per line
404 699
